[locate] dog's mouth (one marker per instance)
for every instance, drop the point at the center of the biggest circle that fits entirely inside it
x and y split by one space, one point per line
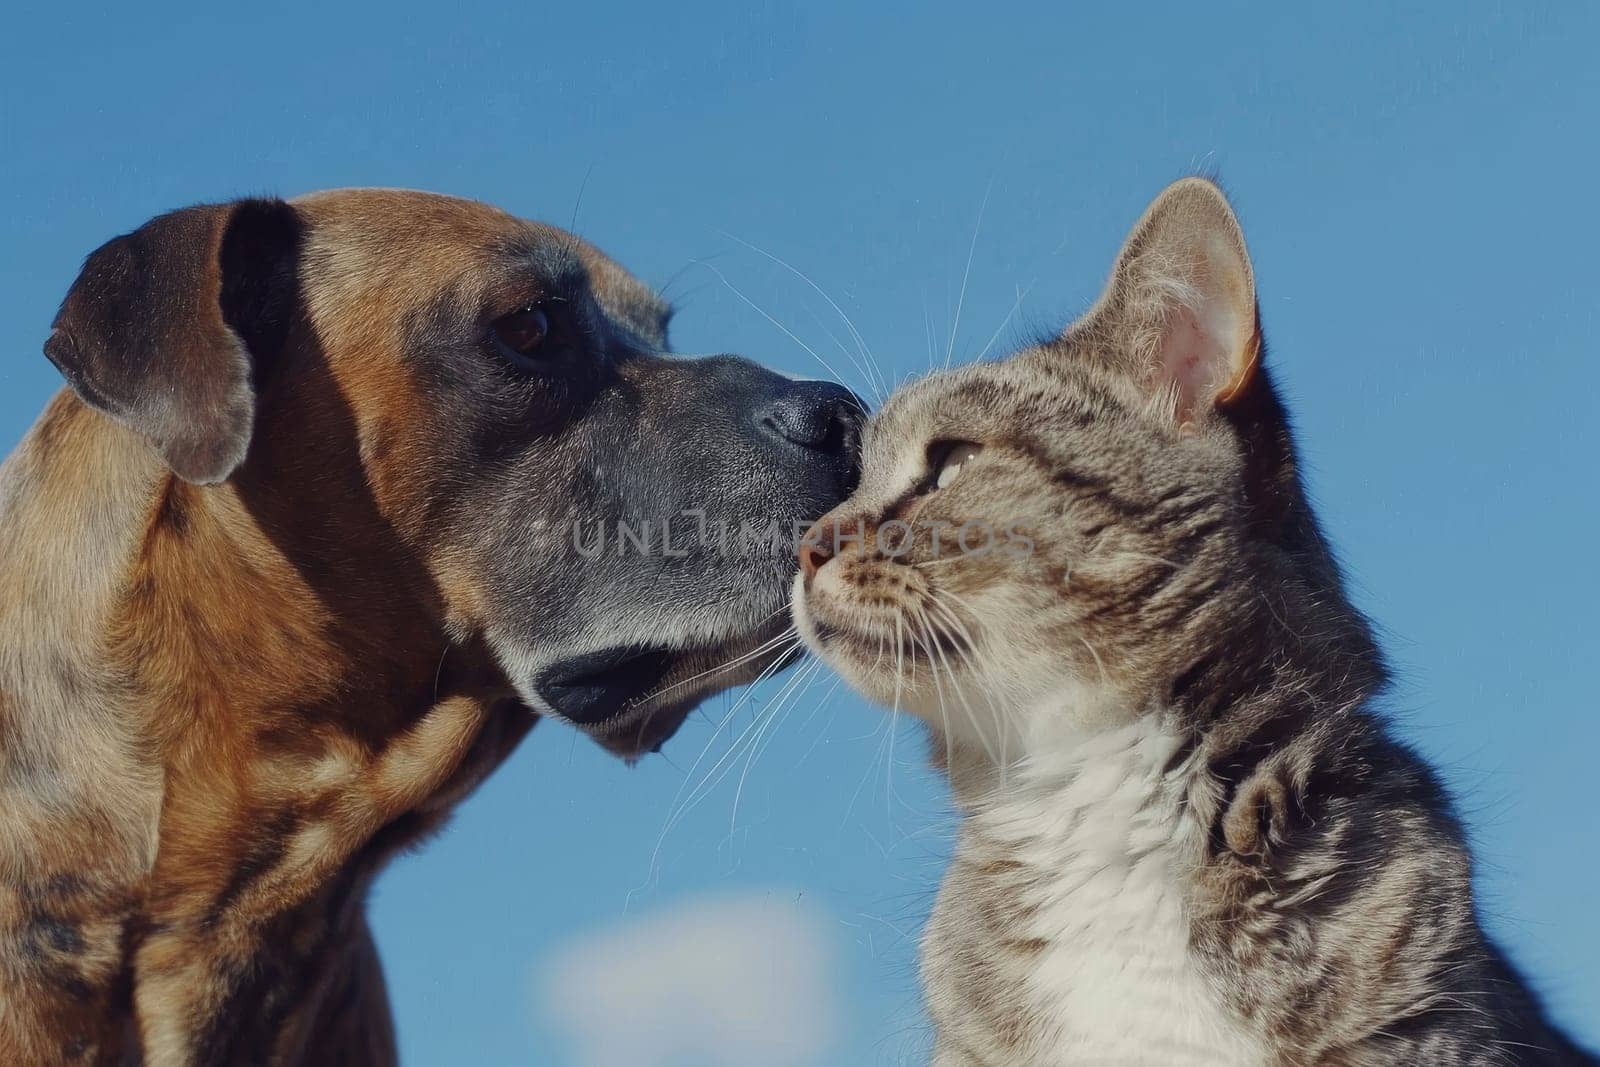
632 699
594 687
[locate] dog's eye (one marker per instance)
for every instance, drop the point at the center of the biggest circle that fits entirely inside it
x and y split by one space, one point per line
946 458
522 333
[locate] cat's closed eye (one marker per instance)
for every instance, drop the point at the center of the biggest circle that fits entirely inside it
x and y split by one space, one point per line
945 460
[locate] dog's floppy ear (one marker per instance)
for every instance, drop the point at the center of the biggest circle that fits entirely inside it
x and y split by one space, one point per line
167 328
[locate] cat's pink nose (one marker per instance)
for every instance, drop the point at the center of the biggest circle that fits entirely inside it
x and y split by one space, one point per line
830 534
817 546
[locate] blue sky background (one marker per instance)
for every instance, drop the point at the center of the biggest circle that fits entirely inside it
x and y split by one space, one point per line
1418 190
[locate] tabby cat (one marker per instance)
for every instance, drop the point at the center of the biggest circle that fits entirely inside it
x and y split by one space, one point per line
1188 836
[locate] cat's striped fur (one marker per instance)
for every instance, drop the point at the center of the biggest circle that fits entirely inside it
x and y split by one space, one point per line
1189 837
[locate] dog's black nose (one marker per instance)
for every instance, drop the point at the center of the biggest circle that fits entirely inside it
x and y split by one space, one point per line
821 416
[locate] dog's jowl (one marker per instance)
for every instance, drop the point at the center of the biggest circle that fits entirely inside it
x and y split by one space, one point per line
344 491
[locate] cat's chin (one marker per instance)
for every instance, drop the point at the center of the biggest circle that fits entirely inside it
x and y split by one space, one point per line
864 660
867 662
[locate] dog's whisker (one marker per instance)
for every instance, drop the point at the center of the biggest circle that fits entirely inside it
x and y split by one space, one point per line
568 255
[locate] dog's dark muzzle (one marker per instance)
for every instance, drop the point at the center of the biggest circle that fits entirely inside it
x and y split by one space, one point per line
726 464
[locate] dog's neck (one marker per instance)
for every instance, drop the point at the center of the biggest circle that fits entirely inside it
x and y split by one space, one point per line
206 612
211 705
76 765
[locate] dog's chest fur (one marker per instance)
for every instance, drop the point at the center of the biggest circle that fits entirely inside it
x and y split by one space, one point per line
1061 934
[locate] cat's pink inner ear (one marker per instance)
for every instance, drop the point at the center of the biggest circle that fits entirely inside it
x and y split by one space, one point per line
1179 314
1208 348
1191 348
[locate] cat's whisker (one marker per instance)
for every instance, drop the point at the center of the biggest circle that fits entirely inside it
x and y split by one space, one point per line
944 713
966 650
961 601
957 626
1146 557
774 714
937 659
724 765
883 647
874 378
868 376
911 657
941 561
966 274
972 717
758 309
1022 294
816 738
790 634
894 714
673 814
1098 662
698 789
682 805
954 620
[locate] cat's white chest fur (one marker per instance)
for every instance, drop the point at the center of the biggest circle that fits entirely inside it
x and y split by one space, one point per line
1061 935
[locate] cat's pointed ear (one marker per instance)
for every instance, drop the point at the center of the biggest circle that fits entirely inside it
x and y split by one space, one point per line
1179 312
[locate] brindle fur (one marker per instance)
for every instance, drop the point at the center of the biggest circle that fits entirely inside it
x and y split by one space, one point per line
244 666
1178 579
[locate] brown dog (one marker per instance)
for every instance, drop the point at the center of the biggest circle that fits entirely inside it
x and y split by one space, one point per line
294 565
